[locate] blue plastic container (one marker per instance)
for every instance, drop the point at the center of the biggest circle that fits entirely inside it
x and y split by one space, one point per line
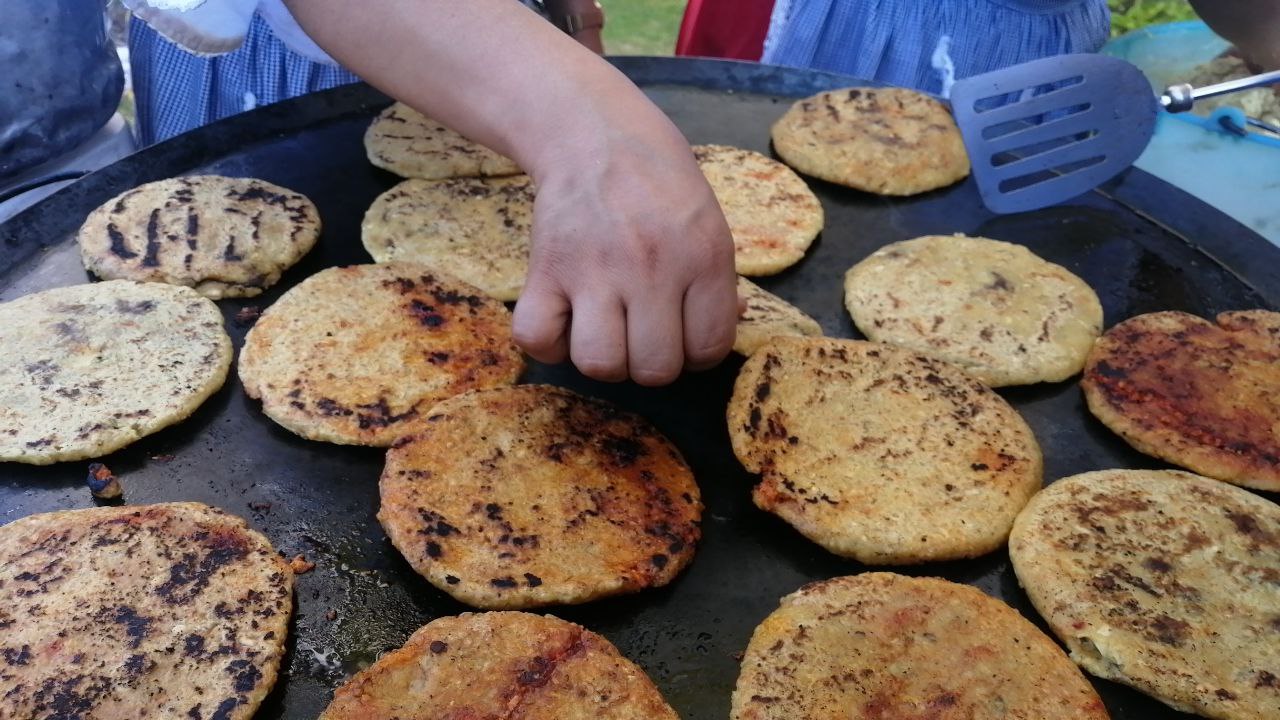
1238 175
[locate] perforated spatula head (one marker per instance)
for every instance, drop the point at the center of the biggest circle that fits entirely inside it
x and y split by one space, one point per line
1046 131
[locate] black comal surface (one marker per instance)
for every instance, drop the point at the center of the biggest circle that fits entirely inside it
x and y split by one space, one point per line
1141 244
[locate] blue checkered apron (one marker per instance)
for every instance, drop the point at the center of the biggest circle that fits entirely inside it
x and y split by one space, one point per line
895 41
176 91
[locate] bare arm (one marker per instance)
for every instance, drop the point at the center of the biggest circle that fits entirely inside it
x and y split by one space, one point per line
1253 26
632 264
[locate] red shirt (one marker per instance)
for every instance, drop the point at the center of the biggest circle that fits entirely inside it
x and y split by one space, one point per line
724 28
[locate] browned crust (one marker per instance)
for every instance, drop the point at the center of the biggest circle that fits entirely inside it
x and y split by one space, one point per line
891 141
500 666
880 646
476 229
881 454
177 610
1200 395
533 495
772 214
222 236
1162 580
358 355
406 142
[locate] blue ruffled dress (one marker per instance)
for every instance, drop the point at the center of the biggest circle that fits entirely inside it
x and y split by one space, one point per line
896 41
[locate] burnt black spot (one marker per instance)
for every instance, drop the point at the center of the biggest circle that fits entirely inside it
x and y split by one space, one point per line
762 391
978 467
775 429
753 422
118 248
438 358
193 229
379 415
229 253
152 259
223 711
435 524
425 314
1157 565
450 579
258 192
135 664
69 698
453 297
555 451
855 94
659 560
136 627
433 549
999 283
194 571
537 673
1106 370
438 646
504 582
245 674
532 580
403 285
623 451
19 656
193 645
332 408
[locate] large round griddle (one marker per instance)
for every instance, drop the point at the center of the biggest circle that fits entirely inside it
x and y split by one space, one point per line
1140 243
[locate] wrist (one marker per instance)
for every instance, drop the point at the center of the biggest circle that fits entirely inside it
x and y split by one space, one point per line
611 118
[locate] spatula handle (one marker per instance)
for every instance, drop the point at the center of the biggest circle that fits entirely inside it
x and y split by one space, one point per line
1180 98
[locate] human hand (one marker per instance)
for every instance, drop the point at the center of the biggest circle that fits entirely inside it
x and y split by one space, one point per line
592 39
632 271
1253 26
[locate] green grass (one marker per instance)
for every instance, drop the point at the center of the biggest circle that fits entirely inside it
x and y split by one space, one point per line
1130 15
641 27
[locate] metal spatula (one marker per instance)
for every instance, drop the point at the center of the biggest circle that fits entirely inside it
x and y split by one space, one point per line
1045 131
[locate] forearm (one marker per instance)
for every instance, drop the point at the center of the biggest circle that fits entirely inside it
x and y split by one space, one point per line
1251 25
492 70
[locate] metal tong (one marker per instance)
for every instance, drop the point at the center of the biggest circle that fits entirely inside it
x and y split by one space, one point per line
1181 98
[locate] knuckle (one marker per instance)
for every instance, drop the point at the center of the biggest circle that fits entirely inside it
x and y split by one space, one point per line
601 367
709 352
532 340
605 372
656 376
